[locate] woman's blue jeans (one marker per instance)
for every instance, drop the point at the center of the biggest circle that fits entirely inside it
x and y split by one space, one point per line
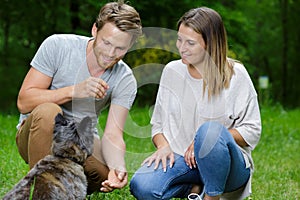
220 168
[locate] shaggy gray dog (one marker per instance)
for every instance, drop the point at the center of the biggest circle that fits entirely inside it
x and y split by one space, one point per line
60 175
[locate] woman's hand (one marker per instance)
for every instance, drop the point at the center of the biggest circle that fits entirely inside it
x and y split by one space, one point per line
162 154
189 156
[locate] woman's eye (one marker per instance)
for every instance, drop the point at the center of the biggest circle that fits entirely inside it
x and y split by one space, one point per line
121 48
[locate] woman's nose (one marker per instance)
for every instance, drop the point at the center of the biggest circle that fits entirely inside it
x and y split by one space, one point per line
182 47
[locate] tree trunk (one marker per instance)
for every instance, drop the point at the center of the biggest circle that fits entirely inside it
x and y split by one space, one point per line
74 14
284 69
6 29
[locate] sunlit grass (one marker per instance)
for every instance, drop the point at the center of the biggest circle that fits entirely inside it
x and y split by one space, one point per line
12 167
277 157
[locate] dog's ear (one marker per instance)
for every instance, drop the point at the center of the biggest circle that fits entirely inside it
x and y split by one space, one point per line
85 125
86 133
60 120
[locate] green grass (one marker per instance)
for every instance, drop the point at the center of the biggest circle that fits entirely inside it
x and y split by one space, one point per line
277 157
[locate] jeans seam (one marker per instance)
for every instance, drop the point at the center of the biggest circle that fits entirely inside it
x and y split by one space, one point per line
171 179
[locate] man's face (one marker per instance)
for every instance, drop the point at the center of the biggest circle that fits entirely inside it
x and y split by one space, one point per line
110 45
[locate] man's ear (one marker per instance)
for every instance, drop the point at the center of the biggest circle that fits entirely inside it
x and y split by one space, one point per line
94 30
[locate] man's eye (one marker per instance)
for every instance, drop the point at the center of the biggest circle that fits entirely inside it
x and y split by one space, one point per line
106 42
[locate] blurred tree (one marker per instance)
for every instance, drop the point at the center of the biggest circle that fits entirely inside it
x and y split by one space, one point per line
272 40
293 89
263 34
8 15
285 40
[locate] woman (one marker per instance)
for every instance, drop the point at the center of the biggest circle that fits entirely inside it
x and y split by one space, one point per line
206 119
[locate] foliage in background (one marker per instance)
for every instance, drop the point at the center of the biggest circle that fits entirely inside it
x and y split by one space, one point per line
263 34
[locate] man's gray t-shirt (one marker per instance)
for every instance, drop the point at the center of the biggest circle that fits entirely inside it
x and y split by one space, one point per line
63 58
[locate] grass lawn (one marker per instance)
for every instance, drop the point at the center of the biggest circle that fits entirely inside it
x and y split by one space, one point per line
277 157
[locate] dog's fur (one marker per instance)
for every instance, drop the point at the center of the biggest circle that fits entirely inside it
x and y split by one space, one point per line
60 175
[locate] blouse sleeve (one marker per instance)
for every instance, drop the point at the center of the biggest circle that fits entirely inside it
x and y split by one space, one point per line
248 123
157 115
246 107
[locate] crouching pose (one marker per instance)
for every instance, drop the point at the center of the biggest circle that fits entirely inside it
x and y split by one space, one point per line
206 119
79 76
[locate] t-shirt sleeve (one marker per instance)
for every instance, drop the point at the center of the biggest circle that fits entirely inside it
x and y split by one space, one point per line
125 92
44 59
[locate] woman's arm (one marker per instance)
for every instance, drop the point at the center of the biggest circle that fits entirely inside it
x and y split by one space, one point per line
238 138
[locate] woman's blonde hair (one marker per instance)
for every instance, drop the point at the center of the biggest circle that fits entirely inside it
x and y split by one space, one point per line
125 17
218 69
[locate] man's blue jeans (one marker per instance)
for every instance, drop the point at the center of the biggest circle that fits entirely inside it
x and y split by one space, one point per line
220 168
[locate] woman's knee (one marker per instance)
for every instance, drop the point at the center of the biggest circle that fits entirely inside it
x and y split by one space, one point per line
140 188
135 186
208 127
207 136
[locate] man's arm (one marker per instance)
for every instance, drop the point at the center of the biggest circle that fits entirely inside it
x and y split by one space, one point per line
114 148
113 145
34 91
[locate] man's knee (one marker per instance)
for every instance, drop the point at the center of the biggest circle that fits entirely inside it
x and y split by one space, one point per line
36 130
46 111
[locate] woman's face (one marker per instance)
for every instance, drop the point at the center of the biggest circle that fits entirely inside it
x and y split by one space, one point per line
191 46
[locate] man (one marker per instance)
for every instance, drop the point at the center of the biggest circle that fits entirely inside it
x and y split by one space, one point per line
79 76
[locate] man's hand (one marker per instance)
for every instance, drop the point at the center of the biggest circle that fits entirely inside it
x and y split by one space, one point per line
116 180
91 87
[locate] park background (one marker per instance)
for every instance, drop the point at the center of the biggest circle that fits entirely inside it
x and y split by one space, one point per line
263 34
